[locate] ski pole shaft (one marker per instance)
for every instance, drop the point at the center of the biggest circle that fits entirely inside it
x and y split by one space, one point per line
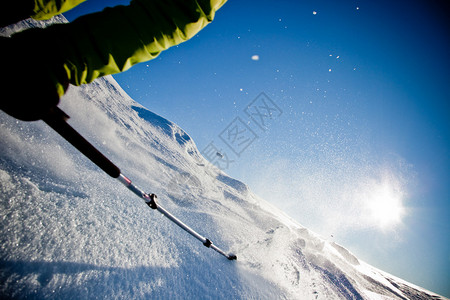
151 202
206 242
57 120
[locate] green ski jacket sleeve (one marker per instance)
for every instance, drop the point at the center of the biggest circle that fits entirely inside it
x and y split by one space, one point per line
117 38
45 9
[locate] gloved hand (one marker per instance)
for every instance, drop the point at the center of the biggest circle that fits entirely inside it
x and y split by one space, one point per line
30 69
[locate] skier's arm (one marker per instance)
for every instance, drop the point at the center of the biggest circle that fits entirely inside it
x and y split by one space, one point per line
117 38
45 9
93 46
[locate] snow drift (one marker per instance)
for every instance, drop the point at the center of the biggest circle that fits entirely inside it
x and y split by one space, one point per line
70 231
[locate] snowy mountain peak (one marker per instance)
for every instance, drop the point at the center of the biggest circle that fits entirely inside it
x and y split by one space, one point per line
70 231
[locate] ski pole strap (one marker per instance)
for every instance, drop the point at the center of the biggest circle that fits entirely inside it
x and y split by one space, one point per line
56 119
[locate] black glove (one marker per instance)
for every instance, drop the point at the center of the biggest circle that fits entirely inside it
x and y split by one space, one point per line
31 66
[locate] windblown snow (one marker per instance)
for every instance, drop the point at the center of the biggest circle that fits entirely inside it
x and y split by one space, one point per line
67 230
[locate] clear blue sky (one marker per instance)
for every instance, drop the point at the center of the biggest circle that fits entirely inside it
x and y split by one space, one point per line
359 148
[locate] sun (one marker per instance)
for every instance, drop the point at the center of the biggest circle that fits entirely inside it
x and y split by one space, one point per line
386 205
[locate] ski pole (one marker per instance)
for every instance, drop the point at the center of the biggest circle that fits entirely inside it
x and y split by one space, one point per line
57 119
151 202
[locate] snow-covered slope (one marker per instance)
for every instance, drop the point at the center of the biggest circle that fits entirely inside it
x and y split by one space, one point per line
67 230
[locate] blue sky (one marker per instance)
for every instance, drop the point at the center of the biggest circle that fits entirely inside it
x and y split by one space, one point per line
359 148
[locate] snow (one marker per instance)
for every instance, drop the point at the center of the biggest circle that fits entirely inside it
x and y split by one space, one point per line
67 230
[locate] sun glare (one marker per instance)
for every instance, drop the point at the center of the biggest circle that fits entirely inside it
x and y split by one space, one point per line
385 205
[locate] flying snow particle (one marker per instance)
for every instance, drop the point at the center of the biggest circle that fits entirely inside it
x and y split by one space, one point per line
329 70
255 57
314 12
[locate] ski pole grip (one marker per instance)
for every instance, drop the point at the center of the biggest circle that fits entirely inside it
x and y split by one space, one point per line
57 118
